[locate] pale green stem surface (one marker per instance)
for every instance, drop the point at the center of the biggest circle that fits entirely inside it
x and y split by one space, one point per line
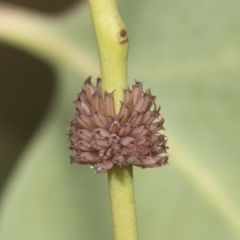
113 50
123 203
112 53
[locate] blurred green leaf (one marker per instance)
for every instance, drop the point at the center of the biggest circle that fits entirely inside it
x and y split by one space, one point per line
188 53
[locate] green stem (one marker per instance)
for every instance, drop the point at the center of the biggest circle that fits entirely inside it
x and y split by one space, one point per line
123 204
113 50
112 46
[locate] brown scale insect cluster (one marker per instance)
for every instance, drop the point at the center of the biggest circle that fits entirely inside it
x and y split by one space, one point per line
103 138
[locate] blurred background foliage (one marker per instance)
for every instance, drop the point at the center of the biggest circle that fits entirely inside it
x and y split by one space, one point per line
187 52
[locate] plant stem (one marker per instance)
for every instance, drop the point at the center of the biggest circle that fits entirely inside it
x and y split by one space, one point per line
123 204
112 53
113 50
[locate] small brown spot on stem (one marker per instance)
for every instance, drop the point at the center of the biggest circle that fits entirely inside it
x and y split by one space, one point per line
123 33
123 36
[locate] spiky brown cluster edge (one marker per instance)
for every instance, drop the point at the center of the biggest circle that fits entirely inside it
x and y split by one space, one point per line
103 138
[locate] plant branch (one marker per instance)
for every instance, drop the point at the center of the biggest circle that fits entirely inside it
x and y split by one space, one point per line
113 47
